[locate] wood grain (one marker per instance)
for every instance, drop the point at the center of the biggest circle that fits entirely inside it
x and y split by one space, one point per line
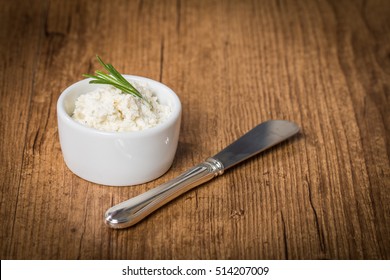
323 64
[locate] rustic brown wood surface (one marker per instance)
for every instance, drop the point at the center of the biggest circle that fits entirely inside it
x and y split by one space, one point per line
323 64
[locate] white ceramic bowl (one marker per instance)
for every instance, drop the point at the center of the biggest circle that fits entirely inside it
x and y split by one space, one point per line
118 158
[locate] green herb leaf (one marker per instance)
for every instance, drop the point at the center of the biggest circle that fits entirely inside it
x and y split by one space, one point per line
114 78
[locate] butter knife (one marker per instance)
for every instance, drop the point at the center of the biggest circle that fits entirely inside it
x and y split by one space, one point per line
260 138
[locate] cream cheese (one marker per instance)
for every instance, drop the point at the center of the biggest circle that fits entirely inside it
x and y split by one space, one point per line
108 109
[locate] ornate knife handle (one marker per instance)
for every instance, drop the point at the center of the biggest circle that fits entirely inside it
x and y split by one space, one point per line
132 211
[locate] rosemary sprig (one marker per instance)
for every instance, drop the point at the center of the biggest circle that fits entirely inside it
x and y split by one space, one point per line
115 79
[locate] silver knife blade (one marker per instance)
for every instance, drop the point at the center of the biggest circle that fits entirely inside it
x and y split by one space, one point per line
260 138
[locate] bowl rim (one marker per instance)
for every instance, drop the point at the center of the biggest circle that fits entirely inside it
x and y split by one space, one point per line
171 120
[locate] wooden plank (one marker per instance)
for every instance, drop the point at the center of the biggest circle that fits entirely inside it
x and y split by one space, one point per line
234 64
18 61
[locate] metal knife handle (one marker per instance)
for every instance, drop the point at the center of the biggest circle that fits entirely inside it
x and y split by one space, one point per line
132 211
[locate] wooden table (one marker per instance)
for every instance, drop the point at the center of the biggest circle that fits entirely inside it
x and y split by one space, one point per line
234 64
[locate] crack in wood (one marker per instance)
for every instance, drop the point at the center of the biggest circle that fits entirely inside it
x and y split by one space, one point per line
178 18
284 236
316 221
161 59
